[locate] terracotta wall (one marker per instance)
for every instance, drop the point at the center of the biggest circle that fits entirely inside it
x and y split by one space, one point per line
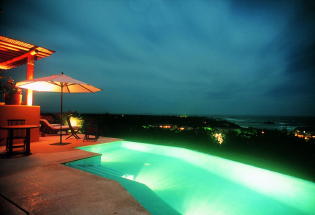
31 114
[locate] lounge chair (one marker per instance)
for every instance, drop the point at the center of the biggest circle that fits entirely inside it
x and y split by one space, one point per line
74 130
47 128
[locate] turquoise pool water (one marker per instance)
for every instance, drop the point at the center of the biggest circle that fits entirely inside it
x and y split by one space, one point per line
172 180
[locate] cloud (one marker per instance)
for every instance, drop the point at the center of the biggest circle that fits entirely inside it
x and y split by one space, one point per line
193 56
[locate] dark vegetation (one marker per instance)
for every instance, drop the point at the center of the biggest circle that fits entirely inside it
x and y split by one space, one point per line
276 150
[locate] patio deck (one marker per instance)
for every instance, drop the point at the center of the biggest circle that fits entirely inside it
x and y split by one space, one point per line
41 184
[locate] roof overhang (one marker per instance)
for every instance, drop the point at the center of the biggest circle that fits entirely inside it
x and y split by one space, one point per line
14 53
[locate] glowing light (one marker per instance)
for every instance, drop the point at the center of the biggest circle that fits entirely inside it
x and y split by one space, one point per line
206 207
135 146
104 158
219 137
75 121
181 128
29 101
305 136
129 177
39 86
110 158
165 126
34 52
157 178
207 128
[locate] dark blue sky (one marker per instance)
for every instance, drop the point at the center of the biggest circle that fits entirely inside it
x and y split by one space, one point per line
174 56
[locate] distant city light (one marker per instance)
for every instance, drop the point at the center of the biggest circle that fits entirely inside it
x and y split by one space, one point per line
165 126
304 135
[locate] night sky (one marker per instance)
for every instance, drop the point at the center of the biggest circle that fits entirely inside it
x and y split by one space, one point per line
173 56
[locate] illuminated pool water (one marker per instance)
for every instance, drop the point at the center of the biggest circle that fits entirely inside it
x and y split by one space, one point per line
172 180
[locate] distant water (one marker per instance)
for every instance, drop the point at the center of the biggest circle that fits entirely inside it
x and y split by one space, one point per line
271 122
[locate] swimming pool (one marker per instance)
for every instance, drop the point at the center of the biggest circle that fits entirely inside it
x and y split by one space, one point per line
171 180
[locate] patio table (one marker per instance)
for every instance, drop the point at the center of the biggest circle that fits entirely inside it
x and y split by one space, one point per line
11 128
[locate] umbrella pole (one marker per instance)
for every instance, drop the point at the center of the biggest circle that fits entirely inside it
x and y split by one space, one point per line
61 95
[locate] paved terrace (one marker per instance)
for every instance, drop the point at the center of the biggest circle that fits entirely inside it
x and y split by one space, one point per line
41 184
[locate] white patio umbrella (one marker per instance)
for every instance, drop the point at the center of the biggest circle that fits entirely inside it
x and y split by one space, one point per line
58 83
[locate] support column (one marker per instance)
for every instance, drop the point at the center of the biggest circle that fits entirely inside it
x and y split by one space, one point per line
30 76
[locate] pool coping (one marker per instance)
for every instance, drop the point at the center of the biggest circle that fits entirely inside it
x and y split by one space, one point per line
42 184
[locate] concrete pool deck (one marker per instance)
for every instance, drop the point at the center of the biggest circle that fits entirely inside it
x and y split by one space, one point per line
40 183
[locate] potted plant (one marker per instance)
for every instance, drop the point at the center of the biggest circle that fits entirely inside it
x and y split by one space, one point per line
12 94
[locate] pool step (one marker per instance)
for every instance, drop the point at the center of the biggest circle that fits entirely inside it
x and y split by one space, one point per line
100 170
139 191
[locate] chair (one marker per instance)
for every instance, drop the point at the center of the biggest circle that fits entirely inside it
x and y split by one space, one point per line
47 128
74 129
18 134
91 132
